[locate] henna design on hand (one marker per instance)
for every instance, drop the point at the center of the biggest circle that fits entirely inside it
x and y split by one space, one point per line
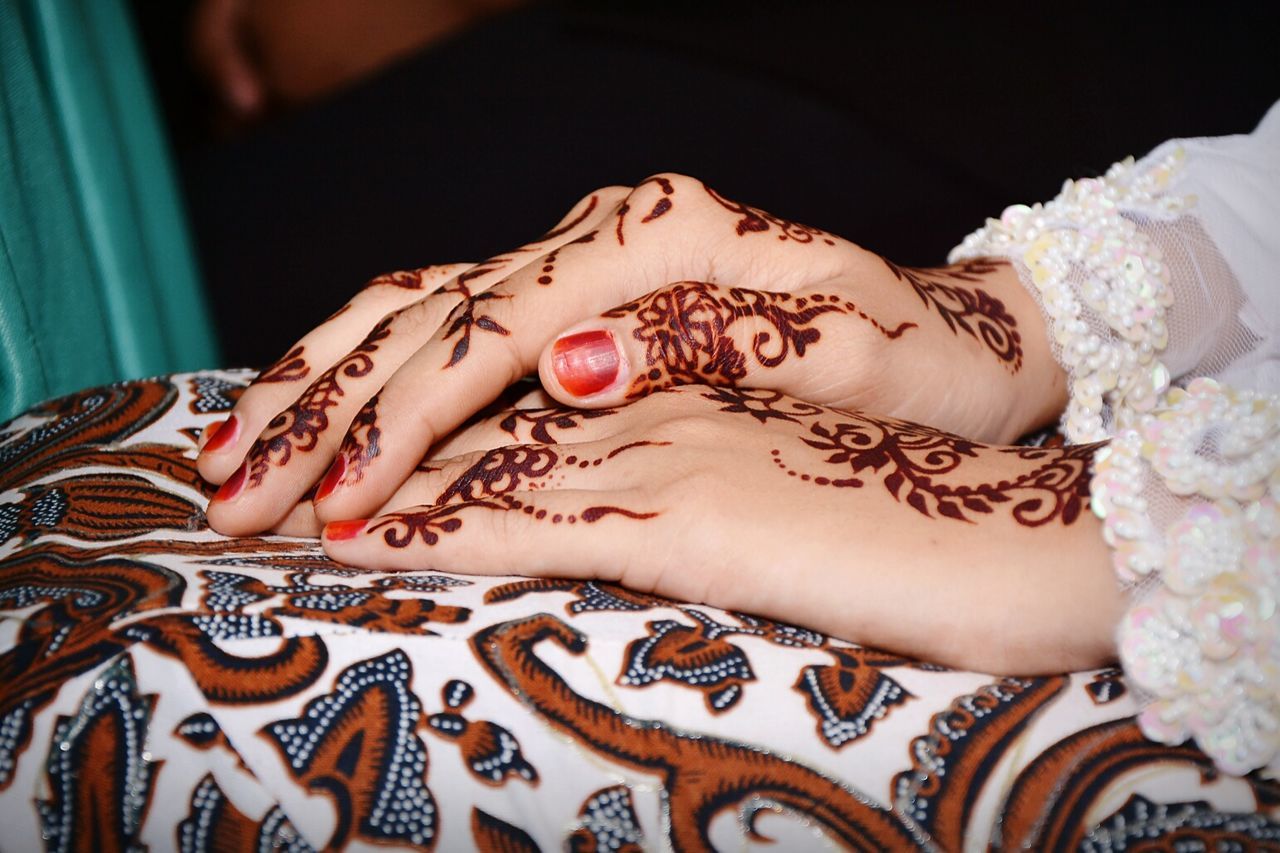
573 223
429 524
762 405
755 220
660 207
415 279
363 442
685 330
957 305
522 467
290 367
911 456
464 318
541 419
299 427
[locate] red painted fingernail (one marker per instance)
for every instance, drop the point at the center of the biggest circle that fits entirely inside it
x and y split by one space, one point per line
340 530
332 478
223 435
231 489
585 363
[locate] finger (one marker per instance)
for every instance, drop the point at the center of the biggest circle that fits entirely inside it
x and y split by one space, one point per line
524 467
280 384
568 533
496 336
699 333
297 446
540 425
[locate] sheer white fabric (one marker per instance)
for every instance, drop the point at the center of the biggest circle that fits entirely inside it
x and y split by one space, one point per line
1161 285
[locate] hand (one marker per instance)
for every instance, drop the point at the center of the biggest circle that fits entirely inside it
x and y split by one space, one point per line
874 530
695 288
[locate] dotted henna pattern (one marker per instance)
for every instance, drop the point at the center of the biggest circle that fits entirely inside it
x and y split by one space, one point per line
399 529
911 456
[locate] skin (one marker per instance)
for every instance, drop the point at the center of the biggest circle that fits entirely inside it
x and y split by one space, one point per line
376 411
759 502
456 343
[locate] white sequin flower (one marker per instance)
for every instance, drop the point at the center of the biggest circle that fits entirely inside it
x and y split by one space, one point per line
1202 640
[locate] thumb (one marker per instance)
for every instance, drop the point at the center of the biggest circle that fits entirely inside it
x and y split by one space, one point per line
686 333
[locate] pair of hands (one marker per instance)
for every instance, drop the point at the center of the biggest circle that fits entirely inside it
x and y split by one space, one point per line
727 489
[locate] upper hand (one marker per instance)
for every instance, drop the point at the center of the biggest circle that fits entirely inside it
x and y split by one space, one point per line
693 287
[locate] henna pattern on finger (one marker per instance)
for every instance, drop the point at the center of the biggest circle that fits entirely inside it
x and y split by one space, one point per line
298 428
755 220
463 319
762 405
290 367
660 208
685 329
541 419
399 529
909 457
963 309
415 279
573 223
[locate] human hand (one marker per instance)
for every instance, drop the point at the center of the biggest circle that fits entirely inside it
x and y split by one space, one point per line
735 296
874 530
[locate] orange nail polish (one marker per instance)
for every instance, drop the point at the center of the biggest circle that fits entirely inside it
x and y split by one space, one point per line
224 434
332 478
341 530
231 489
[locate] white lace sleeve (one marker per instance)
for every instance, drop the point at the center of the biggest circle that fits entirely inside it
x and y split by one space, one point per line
1160 283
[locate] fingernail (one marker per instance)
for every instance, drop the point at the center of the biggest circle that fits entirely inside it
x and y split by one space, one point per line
340 530
332 478
585 363
231 489
222 434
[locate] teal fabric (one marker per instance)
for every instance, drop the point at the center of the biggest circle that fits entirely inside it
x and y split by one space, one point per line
97 276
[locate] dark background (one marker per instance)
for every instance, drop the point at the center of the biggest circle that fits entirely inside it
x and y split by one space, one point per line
899 126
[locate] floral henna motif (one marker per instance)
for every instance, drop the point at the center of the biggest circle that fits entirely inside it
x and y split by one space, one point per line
755 220
429 524
962 308
911 456
762 405
299 427
464 319
291 367
539 421
685 330
660 207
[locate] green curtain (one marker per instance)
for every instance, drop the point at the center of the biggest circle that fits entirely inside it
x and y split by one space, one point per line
97 276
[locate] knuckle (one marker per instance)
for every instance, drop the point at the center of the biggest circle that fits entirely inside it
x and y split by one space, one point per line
686 429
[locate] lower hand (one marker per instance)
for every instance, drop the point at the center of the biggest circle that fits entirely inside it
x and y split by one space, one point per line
873 530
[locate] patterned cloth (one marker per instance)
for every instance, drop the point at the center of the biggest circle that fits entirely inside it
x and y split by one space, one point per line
165 686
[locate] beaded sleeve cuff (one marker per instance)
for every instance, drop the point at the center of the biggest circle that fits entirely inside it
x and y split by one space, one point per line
1189 487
